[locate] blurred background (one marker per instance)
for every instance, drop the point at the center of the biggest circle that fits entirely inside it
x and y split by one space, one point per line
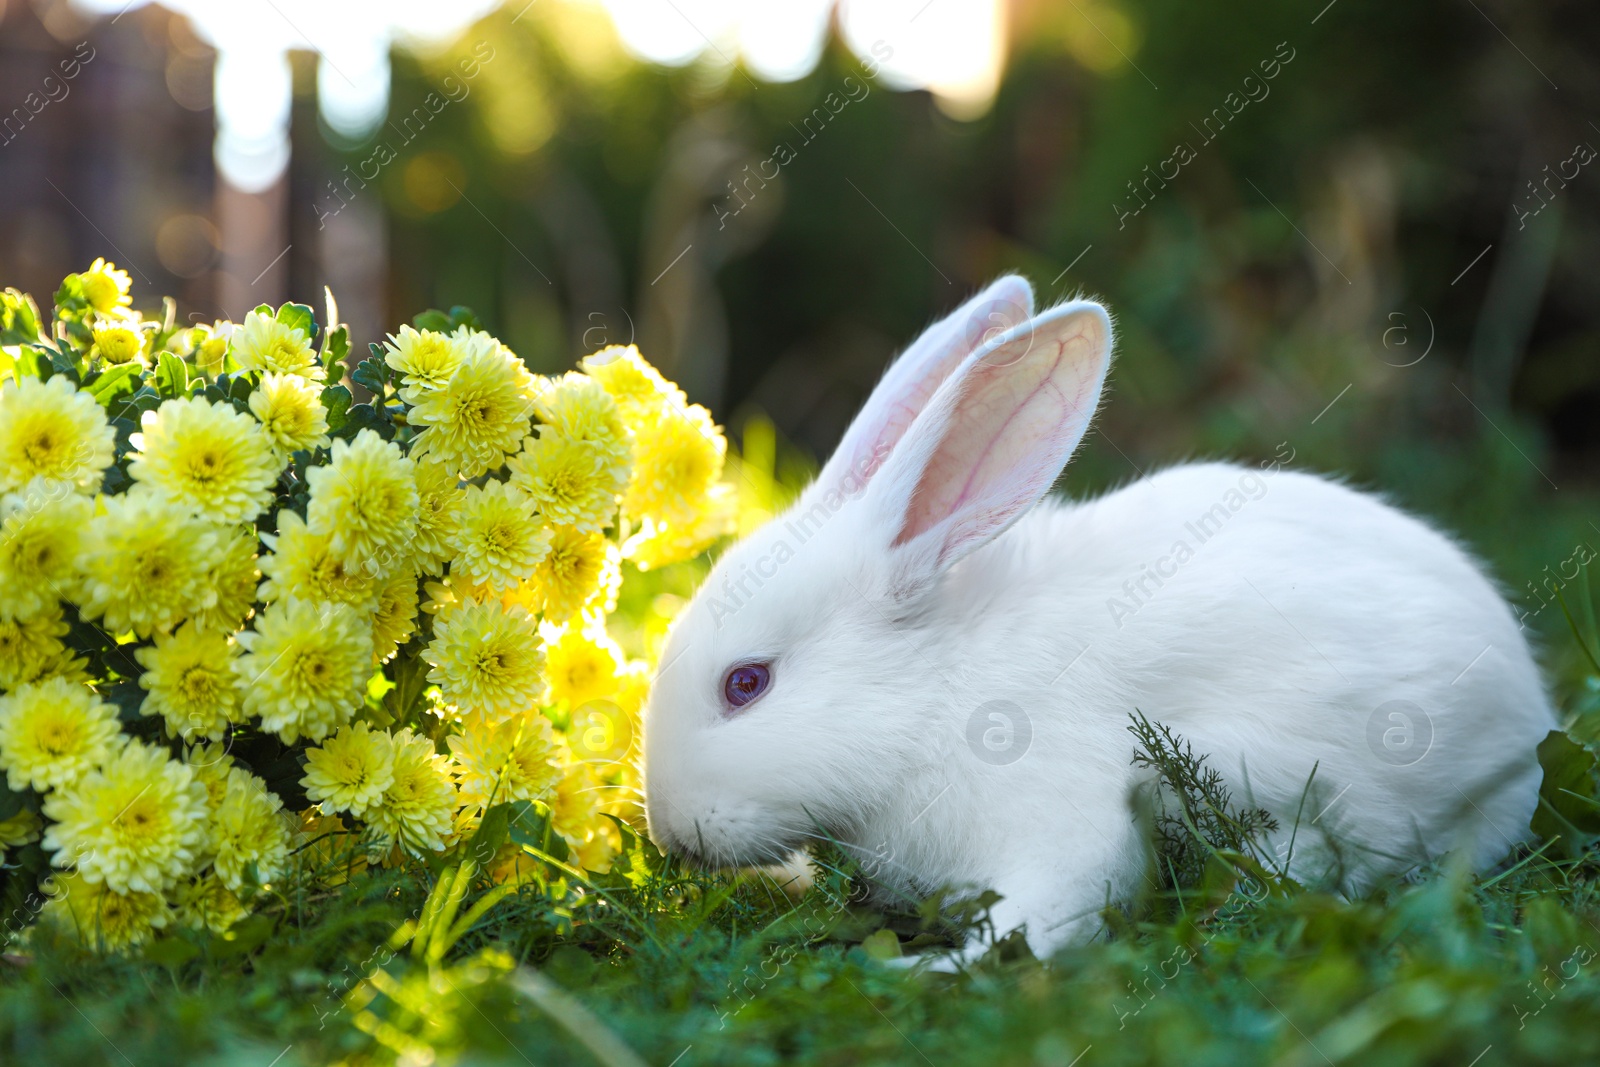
1362 235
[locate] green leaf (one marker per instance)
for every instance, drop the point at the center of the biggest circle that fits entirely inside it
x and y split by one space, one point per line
171 377
432 319
336 398
32 361
531 825
366 417
373 375
19 319
491 834
335 346
882 945
1569 799
117 382
70 297
127 695
133 406
298 317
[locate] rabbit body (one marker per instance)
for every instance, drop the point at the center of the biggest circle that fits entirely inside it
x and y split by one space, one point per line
944 673
1278 622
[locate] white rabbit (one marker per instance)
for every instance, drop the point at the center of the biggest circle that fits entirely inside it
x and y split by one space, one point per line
920 663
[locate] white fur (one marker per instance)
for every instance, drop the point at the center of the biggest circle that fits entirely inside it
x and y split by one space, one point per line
1271 648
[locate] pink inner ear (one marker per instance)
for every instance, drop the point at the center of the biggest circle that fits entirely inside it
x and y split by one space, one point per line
878 439
1019 412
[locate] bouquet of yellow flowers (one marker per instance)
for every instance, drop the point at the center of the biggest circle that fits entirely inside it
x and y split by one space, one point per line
241 612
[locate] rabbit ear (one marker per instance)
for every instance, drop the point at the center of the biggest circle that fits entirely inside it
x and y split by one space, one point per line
912 379
993 438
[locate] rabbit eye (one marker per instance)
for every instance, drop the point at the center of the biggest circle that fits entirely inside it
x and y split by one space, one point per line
746 682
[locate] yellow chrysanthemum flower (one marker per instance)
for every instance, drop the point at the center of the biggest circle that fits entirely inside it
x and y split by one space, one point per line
572 483
677 458
21 829
439 501
305 668
302 565
210 764
100 917
575 809
581 663
579 408
120 341
472 421
365 503
54 732
262 343
40 537
291 413
395 619
580 570
233 578
425 358
351 770
138 823
191 682
106 288
631 381
205 457
145 564
416 810
31 648
208 346
52 431
205 903
498 541
487 658
513 760
247 829
657 543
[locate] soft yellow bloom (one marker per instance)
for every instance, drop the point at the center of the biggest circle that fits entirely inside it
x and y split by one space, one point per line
145 564
305 668
210 764
205 457
416 809
365 503
208 346
498 540
396 617
439 501
54 732
100 917
513 760
106 288
581 664
52 431
472 421
233 579
291 413
425 358
677 458
21 829
632 382
40 538
572 483
31 648
351 770
657 544
302 565
248 829
579 408
487 658
262 343
205 903
575 809
580 570
120 341
191 682
138 823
